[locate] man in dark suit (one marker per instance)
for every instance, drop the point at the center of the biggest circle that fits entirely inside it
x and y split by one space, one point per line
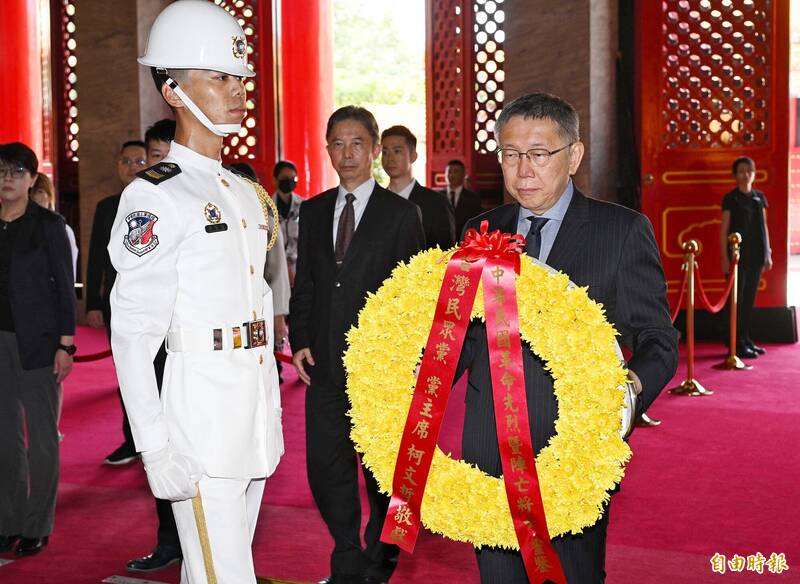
601 245
466 203
398 153
351 237
100 274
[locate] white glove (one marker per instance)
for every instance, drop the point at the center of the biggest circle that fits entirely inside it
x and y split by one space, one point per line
172 476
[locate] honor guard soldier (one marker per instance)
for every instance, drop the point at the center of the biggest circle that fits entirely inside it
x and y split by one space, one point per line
189 244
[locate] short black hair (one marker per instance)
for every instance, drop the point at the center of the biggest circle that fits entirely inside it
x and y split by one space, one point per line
162 131
245 169
280 165
160 76
19 154
132 143
403 132
357 113
542 106
456 162
742 160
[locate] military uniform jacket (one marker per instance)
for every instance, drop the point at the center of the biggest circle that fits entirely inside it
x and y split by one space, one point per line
189 245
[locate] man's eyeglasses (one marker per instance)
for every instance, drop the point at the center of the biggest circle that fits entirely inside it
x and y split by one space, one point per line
132 161
12 171
537 156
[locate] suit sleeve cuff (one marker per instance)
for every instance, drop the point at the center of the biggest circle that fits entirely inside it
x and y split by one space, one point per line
149 438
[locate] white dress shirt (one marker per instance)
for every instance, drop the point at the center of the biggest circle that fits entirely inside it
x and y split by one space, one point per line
362 193
453 194
405 192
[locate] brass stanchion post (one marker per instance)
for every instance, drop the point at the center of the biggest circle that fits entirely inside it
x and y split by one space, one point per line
690 386
732 362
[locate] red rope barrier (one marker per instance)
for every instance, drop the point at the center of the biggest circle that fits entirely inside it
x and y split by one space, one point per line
92 357
714 308
680 296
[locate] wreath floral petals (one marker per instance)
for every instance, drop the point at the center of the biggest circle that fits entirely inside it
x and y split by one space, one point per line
583 461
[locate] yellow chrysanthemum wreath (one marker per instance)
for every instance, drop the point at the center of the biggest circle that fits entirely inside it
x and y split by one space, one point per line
582 462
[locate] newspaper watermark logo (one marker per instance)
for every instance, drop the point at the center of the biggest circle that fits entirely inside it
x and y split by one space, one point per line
757 562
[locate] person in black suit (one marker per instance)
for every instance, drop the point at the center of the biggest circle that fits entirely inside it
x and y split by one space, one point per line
610 249
744 211
351 237
100 274
466 203
398 153
158 139
37 328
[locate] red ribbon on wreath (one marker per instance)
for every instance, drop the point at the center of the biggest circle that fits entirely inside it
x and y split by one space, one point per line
494 257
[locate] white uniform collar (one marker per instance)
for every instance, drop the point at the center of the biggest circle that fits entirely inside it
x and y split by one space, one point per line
187 157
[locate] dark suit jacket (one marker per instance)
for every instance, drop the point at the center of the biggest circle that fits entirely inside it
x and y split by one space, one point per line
612 250
100 274
325 300
438 219
41 286
469 206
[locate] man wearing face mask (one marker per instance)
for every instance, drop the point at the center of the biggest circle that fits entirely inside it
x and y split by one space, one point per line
189 245
288 203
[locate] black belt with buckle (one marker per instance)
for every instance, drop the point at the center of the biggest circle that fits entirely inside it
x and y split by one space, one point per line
255 335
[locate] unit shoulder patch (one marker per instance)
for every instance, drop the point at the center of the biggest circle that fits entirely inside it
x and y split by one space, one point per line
160 172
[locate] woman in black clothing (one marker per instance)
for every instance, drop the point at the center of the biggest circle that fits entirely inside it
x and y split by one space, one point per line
744 211
37 324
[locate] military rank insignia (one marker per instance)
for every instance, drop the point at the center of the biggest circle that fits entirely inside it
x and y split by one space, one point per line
239 47
212 213
160 172
140 239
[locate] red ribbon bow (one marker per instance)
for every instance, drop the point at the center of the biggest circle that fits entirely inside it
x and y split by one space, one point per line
482 244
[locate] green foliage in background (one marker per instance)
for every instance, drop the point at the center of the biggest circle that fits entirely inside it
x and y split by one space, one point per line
374 62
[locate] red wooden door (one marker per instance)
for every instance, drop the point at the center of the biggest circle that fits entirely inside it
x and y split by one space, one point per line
713 85
464 84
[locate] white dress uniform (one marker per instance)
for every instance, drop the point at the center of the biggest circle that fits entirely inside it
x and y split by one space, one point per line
189 245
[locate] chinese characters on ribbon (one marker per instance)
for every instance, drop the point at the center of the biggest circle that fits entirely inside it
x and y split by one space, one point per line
494 257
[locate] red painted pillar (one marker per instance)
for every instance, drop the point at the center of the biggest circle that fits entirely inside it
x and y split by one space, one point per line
21 77
307 90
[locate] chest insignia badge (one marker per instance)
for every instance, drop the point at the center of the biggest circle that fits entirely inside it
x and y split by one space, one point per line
212 213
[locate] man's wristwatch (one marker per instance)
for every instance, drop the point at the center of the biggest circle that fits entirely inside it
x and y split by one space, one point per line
68 349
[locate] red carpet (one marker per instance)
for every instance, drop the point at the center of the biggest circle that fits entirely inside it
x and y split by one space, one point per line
719 475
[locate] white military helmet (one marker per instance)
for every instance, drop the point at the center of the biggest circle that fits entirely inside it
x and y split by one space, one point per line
197 34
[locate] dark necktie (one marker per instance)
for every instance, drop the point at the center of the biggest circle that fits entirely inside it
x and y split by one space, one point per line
346 228
453 199
533 241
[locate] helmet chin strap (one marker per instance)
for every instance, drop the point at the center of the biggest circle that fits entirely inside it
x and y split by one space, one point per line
218 129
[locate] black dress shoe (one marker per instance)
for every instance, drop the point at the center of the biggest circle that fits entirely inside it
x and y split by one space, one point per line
647 422
28 546
7 542
161 557
122 455
753 347
342 579
746 352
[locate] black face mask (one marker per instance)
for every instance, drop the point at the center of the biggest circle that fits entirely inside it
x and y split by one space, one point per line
286 185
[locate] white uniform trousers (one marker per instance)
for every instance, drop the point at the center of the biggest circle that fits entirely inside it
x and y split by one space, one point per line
231 510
